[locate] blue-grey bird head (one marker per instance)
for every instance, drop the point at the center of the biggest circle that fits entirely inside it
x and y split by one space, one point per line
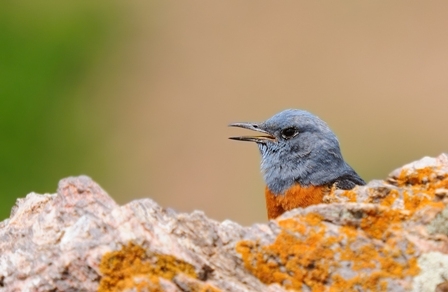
298 147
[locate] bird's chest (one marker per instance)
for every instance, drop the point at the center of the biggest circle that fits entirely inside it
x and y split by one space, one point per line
294 197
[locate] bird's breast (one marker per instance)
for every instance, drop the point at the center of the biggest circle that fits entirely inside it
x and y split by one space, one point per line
295 197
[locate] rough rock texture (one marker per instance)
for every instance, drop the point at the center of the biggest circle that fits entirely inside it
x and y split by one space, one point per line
389 235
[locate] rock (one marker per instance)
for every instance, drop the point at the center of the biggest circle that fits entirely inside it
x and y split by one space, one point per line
389 235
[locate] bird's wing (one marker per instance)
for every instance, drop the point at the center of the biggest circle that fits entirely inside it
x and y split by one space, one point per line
349 181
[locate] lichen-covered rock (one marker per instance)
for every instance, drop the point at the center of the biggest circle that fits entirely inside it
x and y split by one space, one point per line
389 235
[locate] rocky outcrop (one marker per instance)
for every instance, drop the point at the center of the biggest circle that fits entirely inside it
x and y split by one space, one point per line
389 235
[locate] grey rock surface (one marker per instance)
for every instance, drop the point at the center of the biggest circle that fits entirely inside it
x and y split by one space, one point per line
389 235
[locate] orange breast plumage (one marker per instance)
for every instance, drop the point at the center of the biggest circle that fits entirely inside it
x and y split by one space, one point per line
295 197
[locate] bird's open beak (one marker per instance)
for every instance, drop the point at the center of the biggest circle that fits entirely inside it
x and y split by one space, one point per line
253 127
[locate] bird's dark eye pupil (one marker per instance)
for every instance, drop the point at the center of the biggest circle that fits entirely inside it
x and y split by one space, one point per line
289 133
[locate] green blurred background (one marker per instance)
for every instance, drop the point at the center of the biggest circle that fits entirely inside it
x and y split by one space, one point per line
137 95
49 127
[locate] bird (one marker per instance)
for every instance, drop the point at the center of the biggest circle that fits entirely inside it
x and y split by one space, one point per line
301 160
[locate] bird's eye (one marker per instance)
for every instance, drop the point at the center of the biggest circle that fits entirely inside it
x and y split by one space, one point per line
289 133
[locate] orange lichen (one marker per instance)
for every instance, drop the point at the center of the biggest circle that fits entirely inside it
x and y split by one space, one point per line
427 177
422 184
349 231
370 281
202 287
133 267
379 221
208 288
389 199
376 264
418 190
297 196
417 177
305 253
307 261
413 202
364 256
350 195
413 269
293 225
